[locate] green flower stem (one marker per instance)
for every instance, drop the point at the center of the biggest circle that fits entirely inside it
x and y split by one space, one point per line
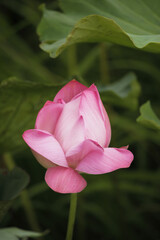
72 214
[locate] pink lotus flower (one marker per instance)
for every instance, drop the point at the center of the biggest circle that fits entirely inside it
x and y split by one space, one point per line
71 136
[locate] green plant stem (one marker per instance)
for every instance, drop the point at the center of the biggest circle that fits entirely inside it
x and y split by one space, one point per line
29 211
72 214
72 60
8 160
104 66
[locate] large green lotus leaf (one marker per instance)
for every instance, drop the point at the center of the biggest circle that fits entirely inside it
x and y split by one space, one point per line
20 102
148 118
14 233
124 92
129 23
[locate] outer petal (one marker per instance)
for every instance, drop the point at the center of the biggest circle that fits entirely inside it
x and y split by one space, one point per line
104 115
70 127
64 180
43 161
48 116
76 153
70 90
110 160
46 145
95 128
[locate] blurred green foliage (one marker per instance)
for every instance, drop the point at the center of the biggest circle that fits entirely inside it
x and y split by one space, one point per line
120 205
